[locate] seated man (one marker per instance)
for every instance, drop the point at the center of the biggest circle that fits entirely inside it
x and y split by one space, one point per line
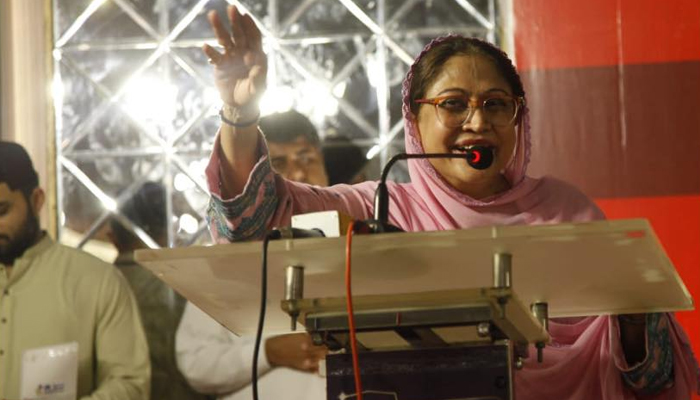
217 362
52 295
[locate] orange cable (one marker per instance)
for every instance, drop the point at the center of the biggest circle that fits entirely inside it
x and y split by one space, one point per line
351 317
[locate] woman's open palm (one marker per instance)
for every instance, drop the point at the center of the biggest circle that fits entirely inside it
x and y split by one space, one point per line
240 72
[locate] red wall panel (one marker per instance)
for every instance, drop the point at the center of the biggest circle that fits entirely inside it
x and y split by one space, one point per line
614 88
571 33
659 30
617 135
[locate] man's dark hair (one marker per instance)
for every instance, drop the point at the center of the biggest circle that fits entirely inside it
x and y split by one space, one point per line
343 159
16 169
287 126
146 208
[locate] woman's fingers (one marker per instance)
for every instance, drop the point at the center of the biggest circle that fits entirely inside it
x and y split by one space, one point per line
222 35
214 56
241 70
237 20
252 33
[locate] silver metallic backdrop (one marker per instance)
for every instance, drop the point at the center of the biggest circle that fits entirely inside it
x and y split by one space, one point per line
135 99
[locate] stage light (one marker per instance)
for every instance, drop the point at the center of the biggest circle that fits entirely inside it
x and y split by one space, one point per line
182 183
188 223
151 100
277 99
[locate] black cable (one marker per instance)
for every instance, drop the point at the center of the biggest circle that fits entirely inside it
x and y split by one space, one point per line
263 305
274 234
478 157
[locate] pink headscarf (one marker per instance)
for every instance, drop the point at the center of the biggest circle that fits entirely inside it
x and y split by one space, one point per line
528 201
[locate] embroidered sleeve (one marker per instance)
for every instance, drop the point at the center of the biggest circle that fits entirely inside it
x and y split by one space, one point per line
655 373
268 200
245 216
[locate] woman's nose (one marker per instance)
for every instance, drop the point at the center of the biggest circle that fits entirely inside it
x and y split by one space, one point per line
476 120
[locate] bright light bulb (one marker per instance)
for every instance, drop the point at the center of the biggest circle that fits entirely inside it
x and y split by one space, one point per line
151 100
182 182
339 89
188 224
276 100
316 100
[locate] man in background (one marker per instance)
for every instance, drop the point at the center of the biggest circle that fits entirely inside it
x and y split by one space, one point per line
297 153
217 362
159 305
60 305
295 148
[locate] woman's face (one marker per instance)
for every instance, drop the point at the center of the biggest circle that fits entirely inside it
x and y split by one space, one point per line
475 77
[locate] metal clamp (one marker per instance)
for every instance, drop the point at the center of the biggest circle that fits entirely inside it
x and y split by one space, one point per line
502 270
294 290
540 311
502 275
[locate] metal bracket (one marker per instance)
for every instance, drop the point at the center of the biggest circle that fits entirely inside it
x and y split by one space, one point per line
294 290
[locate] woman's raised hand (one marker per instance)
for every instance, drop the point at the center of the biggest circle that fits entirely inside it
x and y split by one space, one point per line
240 72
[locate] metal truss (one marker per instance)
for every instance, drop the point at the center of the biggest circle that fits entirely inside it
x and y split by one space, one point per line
99 131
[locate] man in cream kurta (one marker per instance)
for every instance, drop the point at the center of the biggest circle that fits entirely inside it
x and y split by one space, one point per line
51 294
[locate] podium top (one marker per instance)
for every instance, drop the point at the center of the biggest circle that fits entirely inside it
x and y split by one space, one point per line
603 267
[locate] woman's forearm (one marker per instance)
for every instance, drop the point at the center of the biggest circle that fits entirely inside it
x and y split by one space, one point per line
238 156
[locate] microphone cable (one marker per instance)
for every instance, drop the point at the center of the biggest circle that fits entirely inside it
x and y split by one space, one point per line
274 234
478 157
351 315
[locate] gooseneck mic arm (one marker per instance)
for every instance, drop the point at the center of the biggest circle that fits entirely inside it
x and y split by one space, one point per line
478 157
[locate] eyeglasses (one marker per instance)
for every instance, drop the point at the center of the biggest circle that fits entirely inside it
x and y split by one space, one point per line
455 111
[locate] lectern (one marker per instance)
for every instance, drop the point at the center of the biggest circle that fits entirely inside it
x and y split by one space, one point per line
458 309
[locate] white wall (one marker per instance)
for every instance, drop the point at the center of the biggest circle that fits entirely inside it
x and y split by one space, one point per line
26 114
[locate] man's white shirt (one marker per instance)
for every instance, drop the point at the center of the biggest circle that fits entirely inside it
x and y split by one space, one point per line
217 362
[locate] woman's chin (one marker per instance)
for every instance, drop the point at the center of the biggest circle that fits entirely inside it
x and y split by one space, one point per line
478 183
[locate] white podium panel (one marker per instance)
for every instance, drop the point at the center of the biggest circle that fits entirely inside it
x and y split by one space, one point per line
605 267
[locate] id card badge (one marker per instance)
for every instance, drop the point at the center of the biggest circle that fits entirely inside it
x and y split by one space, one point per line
50 373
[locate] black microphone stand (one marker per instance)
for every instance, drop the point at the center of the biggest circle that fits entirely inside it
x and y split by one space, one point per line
478 157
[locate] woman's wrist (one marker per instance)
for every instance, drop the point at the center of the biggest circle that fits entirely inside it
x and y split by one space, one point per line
240 117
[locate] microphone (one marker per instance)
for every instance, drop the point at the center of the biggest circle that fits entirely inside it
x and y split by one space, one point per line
478 157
